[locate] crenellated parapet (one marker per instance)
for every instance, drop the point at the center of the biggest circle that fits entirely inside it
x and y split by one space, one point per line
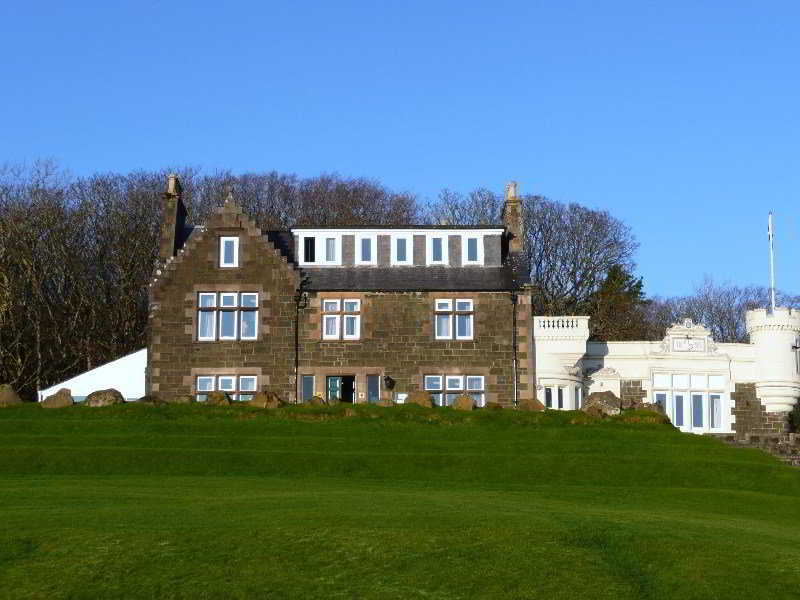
776 336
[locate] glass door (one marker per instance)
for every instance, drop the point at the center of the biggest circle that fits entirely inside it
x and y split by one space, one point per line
334 388
699 411
373 389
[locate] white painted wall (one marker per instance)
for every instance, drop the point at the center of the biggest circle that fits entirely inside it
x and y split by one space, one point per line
126 374
685 369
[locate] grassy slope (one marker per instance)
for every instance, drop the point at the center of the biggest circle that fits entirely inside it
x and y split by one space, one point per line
197 502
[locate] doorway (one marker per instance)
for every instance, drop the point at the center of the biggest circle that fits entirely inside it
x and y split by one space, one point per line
341 388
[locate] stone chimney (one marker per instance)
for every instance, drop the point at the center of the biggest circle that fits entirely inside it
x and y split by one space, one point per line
512 217
173 220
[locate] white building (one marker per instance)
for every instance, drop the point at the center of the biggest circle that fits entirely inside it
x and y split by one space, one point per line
687 372
126 375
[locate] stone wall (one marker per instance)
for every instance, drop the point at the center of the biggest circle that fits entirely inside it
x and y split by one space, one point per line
397 340
750 416
631 392
175 356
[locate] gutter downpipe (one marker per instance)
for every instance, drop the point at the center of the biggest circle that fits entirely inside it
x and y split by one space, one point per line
514 343
300 298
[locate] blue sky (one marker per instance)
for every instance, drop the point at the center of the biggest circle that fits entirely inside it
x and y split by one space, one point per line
681 118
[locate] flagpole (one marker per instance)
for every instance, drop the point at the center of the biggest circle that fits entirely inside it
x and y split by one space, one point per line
771 264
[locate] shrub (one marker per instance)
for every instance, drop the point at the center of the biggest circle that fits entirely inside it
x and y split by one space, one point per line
419 398
794 419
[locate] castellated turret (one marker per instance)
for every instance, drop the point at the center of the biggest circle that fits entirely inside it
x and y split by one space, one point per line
776 337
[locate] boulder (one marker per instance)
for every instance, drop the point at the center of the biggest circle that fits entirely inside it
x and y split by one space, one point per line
8 397
419 398
218 399
463 402
181 400
385 403
265 400
152 400
601 404
104 398
530 404
493 406
315 401
60 399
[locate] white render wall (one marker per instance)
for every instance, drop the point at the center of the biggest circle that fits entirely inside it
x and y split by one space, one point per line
126 375
687 371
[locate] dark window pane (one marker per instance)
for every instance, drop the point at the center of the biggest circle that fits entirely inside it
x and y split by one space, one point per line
366 250
308 250
437 249
308 387
697 410
472 249
548 397
373 389
401 250
560 397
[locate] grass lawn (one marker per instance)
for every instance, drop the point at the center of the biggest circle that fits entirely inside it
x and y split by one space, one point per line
139 501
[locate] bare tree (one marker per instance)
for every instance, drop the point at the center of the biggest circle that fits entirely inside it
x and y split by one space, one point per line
720 307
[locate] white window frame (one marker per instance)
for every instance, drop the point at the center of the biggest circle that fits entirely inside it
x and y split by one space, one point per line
440 385
230 390
445 302
336 243
358 305
226 338
465 254
449 327
460 387
222 241
373 237
242 391
337 319
470 313
409 240
242 336
331 310
429 249
302 249
241 301
223 295
213 312
357 334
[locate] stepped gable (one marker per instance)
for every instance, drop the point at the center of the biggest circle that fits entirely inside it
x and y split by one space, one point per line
229 215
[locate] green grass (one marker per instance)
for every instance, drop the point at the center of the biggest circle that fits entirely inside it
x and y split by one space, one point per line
313 502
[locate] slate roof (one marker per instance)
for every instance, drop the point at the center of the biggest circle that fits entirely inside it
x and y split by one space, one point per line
397 279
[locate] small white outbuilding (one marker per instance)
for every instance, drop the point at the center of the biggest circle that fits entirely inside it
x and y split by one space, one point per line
126 374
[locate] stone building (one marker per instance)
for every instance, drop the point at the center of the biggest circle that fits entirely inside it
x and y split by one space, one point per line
357 314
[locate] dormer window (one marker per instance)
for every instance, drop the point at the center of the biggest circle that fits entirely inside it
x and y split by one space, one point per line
309 249
366 249
471 251
229 252
330 249
436 249
401 250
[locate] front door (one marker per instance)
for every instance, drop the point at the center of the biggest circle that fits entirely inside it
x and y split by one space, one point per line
334 388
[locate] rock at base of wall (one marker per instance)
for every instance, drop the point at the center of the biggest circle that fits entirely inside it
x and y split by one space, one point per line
419 398
61 399
104 398
151 400
463 402
493 406
186 399
218 399
601 404
315 401
384 403
8 397
265 400
530 404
